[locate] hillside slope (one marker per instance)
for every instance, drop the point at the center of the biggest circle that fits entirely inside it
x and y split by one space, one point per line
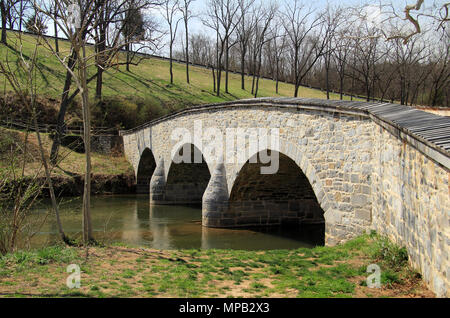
148 82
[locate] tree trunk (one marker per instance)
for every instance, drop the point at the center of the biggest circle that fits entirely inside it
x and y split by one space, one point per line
21 16
170 59
327 77
60 127
55 25
87 225
219 74
253 75
49 179
99 84
219 71
187 50
127 48
44 159
353 83
214 78
296 90
259 72
367 90
257 86
277 74
4 21
227 52
243 70
101 52
296 76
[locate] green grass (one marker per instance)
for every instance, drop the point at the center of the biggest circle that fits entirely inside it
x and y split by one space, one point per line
149 80
36 260
71 162
338 271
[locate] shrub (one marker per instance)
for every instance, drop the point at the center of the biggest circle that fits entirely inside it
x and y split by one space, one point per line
17 146
391 254
46 255
47 109
126 113
17 196
389 277
115 112
149 109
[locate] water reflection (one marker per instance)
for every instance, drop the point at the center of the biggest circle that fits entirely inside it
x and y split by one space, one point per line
130 219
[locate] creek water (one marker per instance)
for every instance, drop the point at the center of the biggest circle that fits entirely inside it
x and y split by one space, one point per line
131 220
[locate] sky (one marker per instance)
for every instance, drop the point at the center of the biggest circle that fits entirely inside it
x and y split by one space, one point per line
199 8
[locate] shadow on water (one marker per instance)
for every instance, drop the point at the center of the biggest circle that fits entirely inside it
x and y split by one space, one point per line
309 234
131 220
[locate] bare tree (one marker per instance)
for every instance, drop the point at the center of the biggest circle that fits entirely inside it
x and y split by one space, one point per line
260 39
367 53
170 8
55 27
280 48
36 24
202 50
5 10
112 24
407 59
25 89
436 11
221 17
340 55
76 34
13 15
440 74
244 32
187 15
112 32
133 27
307 44
331 19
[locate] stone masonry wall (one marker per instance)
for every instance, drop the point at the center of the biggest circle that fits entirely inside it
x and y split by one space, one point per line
186 182
411 205
272 199
106 144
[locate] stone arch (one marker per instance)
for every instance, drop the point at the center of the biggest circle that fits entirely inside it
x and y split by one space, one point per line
284 197
331 214
186 181
295 153
144 171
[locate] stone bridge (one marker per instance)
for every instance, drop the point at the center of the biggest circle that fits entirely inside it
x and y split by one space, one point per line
354 166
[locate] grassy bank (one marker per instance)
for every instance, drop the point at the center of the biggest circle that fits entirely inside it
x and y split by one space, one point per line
119 271
110 173
12 142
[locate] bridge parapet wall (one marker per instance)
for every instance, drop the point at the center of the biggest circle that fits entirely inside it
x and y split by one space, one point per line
411 205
